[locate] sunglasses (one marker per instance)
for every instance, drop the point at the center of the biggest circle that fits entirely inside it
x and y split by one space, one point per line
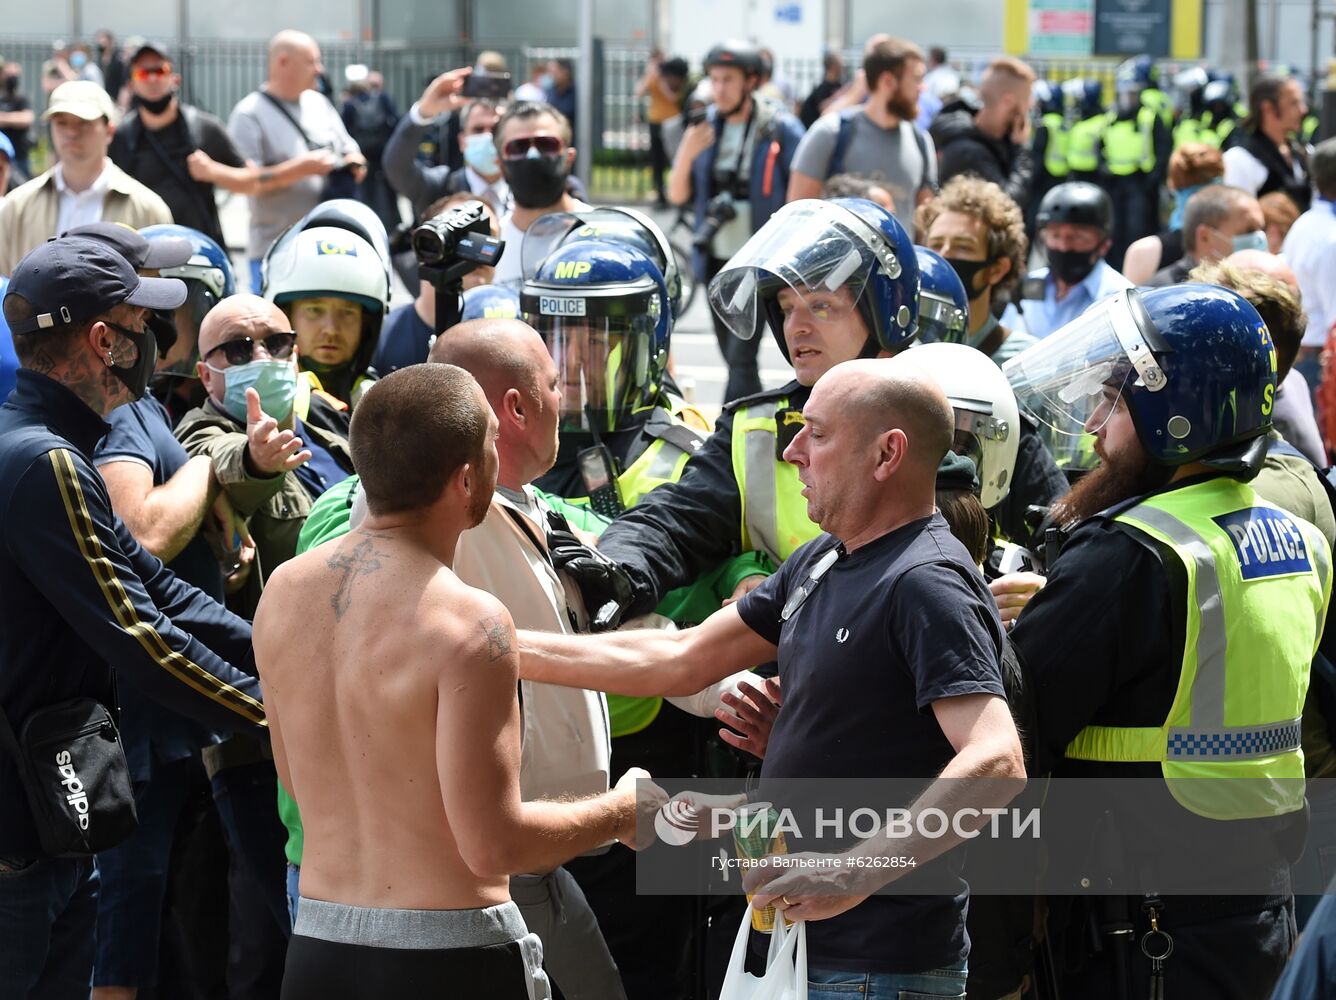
518 149
143 73
277 345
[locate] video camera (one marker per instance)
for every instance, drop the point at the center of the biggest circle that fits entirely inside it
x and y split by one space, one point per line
450 246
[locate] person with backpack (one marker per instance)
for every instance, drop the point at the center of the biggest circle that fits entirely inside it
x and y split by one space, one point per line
878 135
733 168
155 141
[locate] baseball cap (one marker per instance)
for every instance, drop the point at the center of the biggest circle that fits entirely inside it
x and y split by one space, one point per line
83 99
142 253
73 278
157 48
957 472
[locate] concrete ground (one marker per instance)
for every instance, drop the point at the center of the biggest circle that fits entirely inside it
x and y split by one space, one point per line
695 355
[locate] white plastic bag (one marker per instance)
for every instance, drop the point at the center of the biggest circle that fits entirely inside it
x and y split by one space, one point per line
785 966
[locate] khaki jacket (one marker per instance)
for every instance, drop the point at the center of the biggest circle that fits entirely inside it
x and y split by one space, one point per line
28 214
275 507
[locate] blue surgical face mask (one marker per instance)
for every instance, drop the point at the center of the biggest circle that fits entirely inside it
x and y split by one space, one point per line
78 60
1256 240
480 153
275 381
545 81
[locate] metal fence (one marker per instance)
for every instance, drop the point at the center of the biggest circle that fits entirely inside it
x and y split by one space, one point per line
216 74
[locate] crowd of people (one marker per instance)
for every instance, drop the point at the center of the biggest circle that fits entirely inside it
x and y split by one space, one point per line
345 644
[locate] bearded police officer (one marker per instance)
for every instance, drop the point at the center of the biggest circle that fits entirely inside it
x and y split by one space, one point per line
1173 640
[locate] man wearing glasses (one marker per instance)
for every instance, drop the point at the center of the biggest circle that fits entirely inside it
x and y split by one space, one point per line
157 142
84 187
248 367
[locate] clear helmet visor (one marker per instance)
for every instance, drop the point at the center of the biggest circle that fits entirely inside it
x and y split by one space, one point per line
603 367
813 247
1070 382
941 321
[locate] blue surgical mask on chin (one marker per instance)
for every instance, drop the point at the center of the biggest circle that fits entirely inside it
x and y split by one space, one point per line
1256 240
480 153
275 381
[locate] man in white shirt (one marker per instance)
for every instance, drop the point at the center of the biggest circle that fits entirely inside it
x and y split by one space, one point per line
423 183
1310 250
83 187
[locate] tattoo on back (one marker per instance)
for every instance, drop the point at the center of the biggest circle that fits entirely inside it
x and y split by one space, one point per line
498 637
361 561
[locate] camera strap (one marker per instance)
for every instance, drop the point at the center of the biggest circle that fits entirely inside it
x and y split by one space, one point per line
732 175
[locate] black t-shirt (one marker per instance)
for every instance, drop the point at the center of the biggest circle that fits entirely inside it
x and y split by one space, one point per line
894 626
192 204
20 137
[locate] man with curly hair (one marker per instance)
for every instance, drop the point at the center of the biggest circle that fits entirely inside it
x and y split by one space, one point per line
981 233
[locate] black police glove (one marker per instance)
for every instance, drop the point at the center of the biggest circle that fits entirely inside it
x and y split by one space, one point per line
603 584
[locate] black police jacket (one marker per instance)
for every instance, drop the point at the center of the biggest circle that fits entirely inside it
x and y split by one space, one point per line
680 531
85 605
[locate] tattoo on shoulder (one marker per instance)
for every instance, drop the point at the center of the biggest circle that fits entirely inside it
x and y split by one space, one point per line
498 637
361 561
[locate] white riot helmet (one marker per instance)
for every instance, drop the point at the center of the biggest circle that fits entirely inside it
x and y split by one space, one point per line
332 262
988 426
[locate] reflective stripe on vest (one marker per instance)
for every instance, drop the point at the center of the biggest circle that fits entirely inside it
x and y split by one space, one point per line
1055 153
662 462
1129 145
1083 145
774 513
1258 585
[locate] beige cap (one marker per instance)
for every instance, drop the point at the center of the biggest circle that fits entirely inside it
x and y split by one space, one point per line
83 99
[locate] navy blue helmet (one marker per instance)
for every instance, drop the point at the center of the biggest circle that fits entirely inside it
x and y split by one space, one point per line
944 306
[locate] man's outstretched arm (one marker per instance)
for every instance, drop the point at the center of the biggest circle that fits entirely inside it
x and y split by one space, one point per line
646 662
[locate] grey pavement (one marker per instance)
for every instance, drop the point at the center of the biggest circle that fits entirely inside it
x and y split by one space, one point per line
699 370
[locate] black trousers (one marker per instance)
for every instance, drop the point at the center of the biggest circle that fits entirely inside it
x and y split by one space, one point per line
658 159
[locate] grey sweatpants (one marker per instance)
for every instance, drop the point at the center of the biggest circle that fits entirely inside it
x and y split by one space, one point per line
574 953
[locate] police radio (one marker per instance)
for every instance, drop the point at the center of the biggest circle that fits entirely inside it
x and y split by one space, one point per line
599 472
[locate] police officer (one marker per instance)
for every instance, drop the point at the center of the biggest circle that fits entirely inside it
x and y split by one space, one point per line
83 597
734 170
1136 145
944 306
330 272
1221 112
1084 103
1050 138
1188 636
1190 86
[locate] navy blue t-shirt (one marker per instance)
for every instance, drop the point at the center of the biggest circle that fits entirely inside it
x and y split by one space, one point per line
894 626
404 340
322 471
142 432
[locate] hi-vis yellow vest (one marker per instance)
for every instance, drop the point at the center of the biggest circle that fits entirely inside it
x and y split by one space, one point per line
1129 143
774 513
1083 144
1258 586
1055 153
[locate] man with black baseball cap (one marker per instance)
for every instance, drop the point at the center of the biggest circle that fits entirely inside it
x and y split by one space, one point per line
87 606
176 149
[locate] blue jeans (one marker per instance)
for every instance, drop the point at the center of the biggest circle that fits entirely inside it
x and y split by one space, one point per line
828 984
48 927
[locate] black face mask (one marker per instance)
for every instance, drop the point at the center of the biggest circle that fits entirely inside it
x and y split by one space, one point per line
11 85
137 376
1071 266
155 107
967 269
536 182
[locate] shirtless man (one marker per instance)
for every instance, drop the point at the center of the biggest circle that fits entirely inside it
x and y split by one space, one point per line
395 724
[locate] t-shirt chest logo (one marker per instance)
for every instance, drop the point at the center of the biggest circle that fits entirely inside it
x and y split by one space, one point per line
841 635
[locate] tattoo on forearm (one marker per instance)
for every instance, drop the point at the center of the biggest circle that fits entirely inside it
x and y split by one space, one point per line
498 637
361 561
